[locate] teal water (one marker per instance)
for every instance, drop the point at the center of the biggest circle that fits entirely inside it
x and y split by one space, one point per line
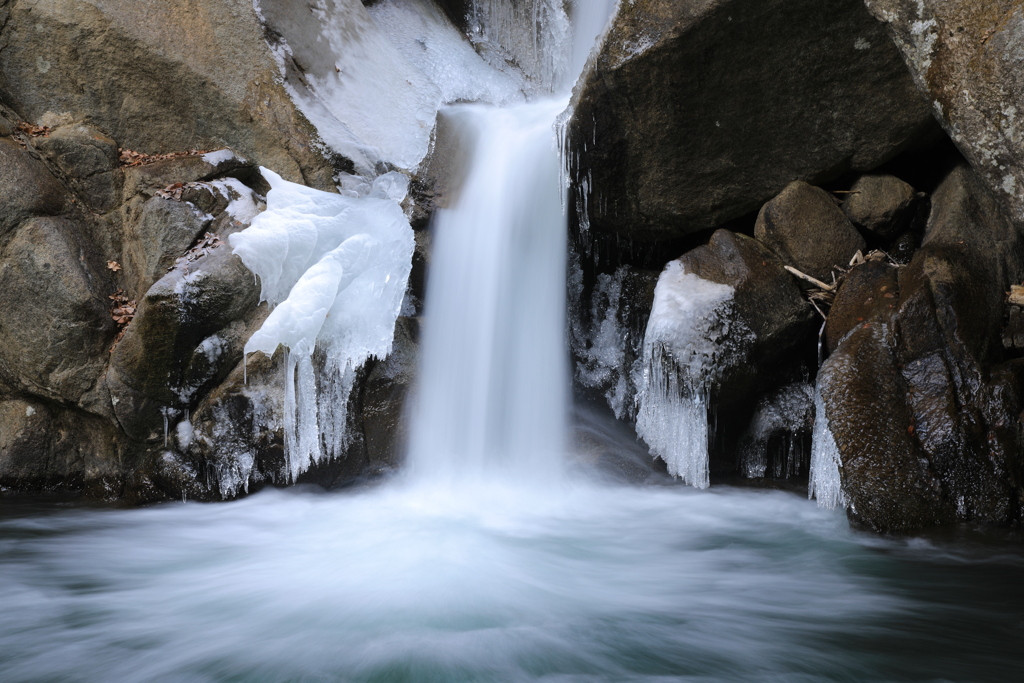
580 582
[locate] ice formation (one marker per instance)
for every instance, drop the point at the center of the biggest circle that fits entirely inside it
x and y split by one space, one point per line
374 77
824 482
334 268
690 333
783 418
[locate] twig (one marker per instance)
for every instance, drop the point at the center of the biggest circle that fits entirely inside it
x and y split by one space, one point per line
808 278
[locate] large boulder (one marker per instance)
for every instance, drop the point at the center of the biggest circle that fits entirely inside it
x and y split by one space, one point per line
694 113
806 229
56 325
191 75
27 188
925 417
763 321
88 159
965 56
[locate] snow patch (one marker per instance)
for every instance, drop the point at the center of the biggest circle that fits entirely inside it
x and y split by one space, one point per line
219 156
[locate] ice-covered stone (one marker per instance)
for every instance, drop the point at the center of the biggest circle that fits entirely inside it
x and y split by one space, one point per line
335 269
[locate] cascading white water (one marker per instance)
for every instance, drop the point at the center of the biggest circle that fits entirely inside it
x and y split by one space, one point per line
493 391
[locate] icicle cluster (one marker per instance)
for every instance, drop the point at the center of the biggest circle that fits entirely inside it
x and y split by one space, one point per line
334 268
690 335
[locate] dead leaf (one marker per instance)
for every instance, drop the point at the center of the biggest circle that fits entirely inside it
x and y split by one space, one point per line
114 266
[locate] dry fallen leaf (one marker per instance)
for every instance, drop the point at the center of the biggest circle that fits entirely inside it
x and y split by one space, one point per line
114 266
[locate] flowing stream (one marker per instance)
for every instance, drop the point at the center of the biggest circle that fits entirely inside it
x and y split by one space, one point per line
487 558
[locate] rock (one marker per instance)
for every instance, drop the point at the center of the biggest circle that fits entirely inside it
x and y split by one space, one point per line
187 77
44 447
385 393
886 478
769 317
164 230
154 367
608 319
146 179
806 229
880 204
777 442
926 423
236 435
676 129
965 56
27 188
88 159
869 294
53 302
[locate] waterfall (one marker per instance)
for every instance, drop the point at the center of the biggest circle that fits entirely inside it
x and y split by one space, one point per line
493 393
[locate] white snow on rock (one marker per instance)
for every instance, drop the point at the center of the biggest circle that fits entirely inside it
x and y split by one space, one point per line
335 269
691 331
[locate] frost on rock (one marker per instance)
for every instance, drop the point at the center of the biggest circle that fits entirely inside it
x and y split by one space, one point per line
777 431
334 269
243 204
691 334
824 482
606 348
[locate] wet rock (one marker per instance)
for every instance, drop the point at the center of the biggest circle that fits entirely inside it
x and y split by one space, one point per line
806 229
880 204
151 369
886 477
767 307
869 294
117 65
53 303
927 425
903 248
44 447
234 441
676 128
965 56
777 442
384 396
608 320
88 159
27 188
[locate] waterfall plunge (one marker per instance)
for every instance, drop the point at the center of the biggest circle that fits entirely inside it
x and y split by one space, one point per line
493 391
493 395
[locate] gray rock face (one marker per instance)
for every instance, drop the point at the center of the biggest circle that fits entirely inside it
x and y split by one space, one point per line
179 321
56 326
189 76
806 229
881 204
693 113
965 56
869 294
163 231
88 159
27 188
384 397
766 302
926 421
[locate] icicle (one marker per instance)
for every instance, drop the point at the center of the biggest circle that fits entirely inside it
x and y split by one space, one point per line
824 481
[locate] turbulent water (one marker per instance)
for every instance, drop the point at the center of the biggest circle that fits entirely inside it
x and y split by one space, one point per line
584 583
